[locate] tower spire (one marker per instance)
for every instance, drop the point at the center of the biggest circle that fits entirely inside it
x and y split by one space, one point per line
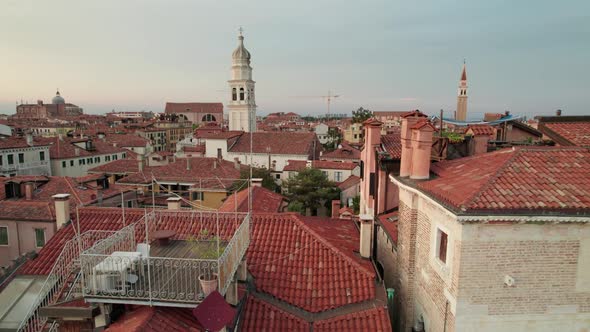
242 105
461 113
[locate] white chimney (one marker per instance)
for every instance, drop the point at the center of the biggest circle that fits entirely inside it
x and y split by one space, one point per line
29 138
366 235
62 209
256 182
77 151
173 203
308 164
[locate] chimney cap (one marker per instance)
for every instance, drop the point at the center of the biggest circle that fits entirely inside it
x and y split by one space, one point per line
61 197
372 122
415 113
423 124
173 199
366 217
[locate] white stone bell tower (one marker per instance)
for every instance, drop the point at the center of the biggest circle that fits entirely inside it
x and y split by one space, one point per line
461 114
242 104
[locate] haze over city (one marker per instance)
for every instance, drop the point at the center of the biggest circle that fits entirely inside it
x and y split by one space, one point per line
529 57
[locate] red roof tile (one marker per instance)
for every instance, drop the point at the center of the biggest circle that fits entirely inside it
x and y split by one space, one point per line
352 180
127 140
309 262
392 143
156 319
515 180
297 165
26 210
389 223
346 152
13 142
574 133
119 166
481 129
259 315
279 143
415 113
374 320
263 200
194 107
65 148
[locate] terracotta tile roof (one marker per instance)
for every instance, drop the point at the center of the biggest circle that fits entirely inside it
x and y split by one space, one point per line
65 148
568 133
14 142
296 165
263 200
127 140
388 114
216 134
389 223
516 180
415 113
481 130
119 166
352 180
279 143
392 144
156 319
194 107
374 320
309 262
26 210
346 152
200 168
372 122
260 315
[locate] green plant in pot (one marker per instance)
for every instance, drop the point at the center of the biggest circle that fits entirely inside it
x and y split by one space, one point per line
206 247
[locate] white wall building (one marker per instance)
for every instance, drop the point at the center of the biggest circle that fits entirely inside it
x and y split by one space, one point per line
24 156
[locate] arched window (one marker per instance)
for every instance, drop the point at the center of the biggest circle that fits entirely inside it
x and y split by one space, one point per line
241 93
234 94
208 118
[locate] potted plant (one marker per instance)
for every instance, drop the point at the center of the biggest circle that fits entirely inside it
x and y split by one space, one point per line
207 248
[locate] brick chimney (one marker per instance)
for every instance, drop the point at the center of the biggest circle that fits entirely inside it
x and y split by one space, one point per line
29 191
409 120
173 203
62 209
480 143
372 129
336 208
421 149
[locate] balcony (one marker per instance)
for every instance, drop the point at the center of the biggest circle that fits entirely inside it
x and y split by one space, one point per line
132 267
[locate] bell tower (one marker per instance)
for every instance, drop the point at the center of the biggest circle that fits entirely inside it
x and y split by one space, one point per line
242 104
461 114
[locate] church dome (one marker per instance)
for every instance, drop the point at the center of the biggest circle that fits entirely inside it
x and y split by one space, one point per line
58 99
241 53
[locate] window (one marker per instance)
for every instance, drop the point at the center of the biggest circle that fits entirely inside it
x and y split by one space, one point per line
441 245
10 159
234 94
1 161
241 93
89 161
219 155
41 155
72 162
197 196
97 160
39 237
338 176
129 204
115 157
21 158
123 155
372 184
278 176
107 158
3 235
63 164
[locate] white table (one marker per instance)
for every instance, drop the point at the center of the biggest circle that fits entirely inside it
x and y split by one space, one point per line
116 264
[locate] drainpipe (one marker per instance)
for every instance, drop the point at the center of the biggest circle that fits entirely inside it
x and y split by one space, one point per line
446 312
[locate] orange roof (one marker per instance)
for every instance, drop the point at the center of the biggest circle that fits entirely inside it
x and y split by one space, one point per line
194 107
526 180
481 129
568 133
297 165
156 319
263 200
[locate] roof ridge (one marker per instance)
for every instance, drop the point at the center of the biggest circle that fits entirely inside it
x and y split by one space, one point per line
493 178
327 243
67 179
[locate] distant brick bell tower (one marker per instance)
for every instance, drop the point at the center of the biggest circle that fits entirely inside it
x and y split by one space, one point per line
461 114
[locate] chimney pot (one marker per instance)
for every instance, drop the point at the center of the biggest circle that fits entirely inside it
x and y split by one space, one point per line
336 208
421 151
256 182
173 203
77 151
558 113
366 222
62 209
29 191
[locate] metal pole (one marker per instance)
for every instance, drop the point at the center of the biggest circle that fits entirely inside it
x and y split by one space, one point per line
123 207
80 246
148 257
441 122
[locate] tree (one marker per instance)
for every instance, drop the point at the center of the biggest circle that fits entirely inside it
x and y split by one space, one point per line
268 180
360 115
356 204
310 189
334 139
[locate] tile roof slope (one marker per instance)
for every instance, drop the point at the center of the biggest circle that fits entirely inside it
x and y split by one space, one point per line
263 200
515 180
279 142
119 166
310 267
194 107
200 168
392 143
352 180
26 210
156 319
481 129
346 152
577 133
259 315
374 320
296 165
127 140
64 148
13 142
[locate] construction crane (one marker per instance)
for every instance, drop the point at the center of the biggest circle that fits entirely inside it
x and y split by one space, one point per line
328 98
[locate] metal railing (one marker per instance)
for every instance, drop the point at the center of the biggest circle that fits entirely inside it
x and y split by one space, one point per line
56 280
114 271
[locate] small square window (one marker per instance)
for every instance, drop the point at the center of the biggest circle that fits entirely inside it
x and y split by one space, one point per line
42 155
39 237
71 162
63 164
21 158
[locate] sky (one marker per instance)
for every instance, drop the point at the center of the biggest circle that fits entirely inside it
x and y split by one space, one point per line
530 57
